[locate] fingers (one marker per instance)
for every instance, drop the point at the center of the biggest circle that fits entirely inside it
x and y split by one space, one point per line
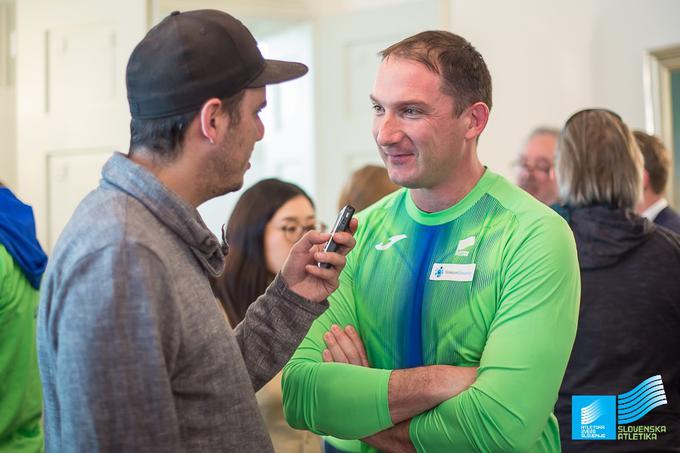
344 346
334 259
334 349
345 241
330 276
353 225
358 344
309 240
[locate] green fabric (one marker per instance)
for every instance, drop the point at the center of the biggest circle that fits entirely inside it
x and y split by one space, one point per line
20 394
344 445
515 318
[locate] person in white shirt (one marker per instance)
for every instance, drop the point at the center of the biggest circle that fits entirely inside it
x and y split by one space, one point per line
654 204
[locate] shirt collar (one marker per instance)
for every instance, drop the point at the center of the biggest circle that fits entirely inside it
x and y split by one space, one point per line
652 211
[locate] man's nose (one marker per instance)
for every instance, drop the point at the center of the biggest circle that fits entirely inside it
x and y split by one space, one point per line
387 130
260 129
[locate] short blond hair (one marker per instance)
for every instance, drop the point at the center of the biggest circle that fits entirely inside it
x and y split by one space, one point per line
598 161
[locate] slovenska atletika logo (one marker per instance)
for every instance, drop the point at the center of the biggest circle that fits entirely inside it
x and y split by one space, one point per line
608 417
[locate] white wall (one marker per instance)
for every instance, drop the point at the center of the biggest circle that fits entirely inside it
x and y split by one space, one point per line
70 89
8 156
549 59
539 54
624 32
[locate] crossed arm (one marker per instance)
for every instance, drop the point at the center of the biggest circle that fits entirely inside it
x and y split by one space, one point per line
410 392
528 343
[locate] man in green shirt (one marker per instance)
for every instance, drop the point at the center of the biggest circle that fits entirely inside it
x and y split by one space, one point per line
22 263
459 270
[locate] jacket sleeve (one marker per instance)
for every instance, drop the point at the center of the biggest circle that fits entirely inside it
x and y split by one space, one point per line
526 354
112 328
341 400
273 327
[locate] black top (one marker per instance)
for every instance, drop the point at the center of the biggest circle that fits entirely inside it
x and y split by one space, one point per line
629 322
668 218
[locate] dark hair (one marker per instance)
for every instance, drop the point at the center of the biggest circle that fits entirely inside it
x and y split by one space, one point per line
657 160
245 275
464 74
165 136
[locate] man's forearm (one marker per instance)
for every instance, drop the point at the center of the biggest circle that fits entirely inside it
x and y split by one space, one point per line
393 440
415 390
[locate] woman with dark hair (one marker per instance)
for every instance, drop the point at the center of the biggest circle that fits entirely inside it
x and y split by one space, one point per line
267 220
623 378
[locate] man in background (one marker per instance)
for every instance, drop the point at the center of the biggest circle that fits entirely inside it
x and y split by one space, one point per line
536 165
22 263
654 204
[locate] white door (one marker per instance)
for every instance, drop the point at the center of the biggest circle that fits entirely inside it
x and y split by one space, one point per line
71 98
346 63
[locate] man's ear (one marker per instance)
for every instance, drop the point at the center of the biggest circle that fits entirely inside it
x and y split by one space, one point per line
478 117
645 180
211 110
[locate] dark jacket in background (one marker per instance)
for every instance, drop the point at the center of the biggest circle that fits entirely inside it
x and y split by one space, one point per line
668 218
629 323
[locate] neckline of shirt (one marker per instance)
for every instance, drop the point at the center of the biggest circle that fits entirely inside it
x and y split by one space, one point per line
455 211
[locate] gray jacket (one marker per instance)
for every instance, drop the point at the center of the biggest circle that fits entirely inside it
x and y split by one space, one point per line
135 352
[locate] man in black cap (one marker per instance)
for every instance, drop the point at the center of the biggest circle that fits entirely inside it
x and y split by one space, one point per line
135 353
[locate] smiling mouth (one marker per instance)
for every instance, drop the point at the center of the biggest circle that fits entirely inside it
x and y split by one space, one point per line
397 159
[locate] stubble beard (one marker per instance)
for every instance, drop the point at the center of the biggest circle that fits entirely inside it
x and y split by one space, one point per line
223 176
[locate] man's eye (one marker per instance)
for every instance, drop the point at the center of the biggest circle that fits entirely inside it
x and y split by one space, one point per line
411 111
377 108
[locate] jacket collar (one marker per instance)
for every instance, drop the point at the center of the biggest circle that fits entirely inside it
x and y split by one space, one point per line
170 210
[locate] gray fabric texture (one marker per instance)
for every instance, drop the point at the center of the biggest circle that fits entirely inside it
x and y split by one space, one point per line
135 352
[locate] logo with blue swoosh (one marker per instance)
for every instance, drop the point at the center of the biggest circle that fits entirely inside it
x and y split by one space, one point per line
609 417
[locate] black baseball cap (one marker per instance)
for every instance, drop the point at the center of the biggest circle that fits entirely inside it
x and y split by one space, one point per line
194 56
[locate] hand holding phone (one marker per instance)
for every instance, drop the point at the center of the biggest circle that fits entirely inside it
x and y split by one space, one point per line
341 224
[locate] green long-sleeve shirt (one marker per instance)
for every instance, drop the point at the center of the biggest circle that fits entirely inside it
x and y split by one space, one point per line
492 282
20 396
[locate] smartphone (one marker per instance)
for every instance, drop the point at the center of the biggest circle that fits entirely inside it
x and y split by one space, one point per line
341 224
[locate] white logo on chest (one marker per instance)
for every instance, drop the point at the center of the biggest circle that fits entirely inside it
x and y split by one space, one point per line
464 244
393 240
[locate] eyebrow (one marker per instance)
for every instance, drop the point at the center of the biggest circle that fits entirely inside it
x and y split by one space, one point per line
295 219
402 103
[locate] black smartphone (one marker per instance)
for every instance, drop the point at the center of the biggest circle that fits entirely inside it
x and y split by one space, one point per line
341 224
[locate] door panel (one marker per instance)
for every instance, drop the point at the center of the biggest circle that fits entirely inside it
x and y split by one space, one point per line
71 60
